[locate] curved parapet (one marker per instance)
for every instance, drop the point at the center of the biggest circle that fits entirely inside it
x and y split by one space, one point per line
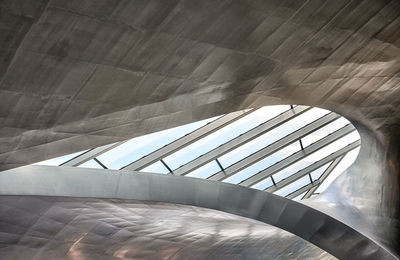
113 229
314 226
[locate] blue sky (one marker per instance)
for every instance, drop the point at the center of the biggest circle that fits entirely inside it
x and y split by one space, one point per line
138 147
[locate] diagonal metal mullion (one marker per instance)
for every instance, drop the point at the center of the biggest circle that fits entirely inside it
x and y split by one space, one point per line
91 154
321 179
100 163
313 167
302 189
241 139
186 140
297 156
276 146
311 187
167 166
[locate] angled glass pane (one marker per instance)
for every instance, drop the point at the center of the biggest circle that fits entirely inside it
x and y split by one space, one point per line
318 155
138 147
264 163
262 185
299 197
205 171
324 131
91 164
318 172
59 160
342 166
223 135
292 187
272 136
157 167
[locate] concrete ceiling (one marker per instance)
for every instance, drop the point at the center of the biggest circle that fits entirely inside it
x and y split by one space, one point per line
79 74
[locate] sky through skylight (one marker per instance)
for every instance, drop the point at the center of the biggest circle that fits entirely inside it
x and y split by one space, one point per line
202 157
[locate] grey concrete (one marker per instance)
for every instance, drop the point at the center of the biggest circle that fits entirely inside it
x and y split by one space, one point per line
327 233
80 74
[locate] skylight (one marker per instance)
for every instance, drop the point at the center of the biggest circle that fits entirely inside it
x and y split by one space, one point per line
292 151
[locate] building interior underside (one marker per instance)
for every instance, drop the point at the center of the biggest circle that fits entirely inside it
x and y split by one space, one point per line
86 75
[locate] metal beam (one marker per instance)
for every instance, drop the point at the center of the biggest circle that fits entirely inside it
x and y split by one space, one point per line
91 154
220 165
186 140
313 167
276 146
166 166
297 156
241 139
301 190
321 179
310 188
100 163
115 184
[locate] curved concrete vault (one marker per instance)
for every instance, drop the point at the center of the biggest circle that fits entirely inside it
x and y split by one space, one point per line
78 75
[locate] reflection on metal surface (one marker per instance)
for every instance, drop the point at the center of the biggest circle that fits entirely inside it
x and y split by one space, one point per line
312 225
77 228
363 196
76 76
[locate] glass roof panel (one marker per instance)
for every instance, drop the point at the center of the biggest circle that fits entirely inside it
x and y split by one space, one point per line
125 153
318 172
264 163
157 167
138 147
324 131
318 155
342 166
271 136
299 197
292 187
59 160
262 185
91 164
223 135
205 171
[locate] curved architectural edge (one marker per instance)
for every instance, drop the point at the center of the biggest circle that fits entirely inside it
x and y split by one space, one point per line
115 229
312 225
365 196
